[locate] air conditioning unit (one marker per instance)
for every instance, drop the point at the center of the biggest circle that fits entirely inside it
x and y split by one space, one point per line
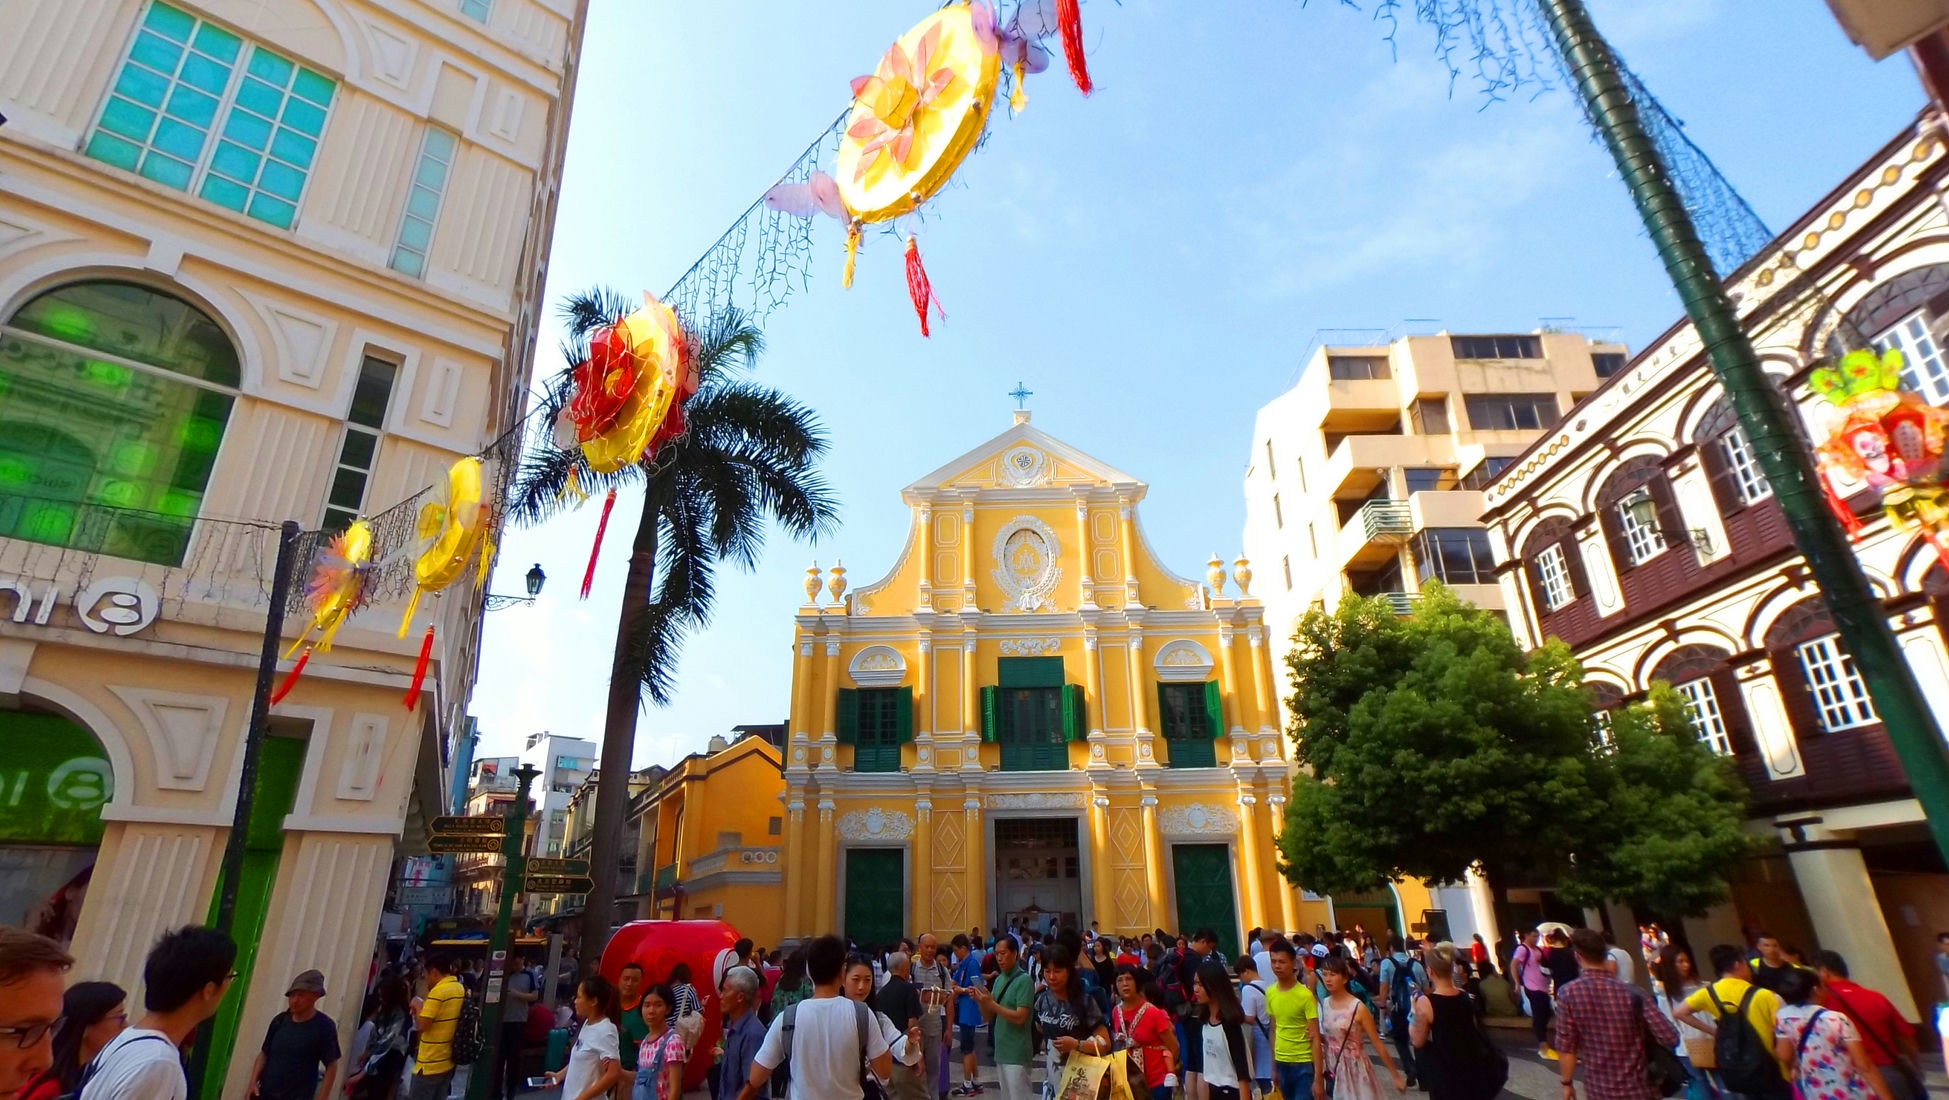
1883 26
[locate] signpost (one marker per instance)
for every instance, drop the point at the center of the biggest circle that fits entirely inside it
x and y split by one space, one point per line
558 884
569 867
513 870
489 825
441 844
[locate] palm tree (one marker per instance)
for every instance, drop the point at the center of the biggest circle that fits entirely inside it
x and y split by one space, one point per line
748 458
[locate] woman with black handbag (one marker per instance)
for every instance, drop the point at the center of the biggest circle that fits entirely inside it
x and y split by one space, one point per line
1456 1059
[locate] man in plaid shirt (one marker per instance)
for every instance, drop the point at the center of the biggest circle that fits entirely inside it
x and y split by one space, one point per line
1601 1025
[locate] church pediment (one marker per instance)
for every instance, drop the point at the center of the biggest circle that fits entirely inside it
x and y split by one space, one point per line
1025 458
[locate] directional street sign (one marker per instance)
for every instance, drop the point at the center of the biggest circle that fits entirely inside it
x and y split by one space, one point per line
558 884
449 845
548 868
473 826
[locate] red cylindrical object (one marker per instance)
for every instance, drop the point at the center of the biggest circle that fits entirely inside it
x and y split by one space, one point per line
659 945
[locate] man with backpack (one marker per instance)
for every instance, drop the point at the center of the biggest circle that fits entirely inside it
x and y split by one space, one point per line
823 1044
1526 971
183 984
1739 1016
1402 979
1607 1028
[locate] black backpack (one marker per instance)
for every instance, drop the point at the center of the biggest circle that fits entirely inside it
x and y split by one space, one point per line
467 1037
1401 987
781 1078
1745 1060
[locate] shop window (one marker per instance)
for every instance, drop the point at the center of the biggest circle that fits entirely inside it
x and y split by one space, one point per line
113 401
358 452
197 108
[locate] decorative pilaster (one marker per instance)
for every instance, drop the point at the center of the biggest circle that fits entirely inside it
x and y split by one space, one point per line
1261 674
924 540
967 557
1250 850
1228 682
829 738
920 859
976 845
1093 695
796 884
924 705
1102 876
802 723
824 915
970 707
1086 571
1130 598
1154 856
1276 806
1139 705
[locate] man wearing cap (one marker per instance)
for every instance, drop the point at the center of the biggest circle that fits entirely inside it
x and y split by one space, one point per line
299 1059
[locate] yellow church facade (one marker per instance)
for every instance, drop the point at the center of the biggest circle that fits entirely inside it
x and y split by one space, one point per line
1030 719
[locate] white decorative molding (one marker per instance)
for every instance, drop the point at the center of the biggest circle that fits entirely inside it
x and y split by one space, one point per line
1030 647
183 733
442 393
1182 661
875 824
303 341
392 55
878 666
1025 556
508 108
359 777
1197 819
1038 800
1023 466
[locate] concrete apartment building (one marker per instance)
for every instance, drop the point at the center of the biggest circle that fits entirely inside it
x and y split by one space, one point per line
260 260
1365 477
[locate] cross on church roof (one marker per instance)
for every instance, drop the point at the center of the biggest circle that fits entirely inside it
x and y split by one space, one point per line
1021 394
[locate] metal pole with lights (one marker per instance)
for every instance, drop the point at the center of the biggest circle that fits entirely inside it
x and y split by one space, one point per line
534 578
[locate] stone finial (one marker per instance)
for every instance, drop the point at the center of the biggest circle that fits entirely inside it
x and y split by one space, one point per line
812 583
837 585
1215 573
1242 573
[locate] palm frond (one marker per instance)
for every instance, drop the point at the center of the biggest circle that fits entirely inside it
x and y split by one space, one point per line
729 342
587 310
540 489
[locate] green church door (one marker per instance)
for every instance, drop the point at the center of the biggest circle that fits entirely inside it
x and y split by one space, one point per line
1203 876
876 897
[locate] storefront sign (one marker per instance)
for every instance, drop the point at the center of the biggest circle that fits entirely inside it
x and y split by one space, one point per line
109 605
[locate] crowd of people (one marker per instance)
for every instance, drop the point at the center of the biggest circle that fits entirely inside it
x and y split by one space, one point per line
1304 1016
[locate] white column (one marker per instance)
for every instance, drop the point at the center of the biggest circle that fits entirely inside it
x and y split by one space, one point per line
1840 900
1922 644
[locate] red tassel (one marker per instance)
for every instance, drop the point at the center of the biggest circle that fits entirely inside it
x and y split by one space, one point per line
602 525
291 678
419 670
1069 20
919 290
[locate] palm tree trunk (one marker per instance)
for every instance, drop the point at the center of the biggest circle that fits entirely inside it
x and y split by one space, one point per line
618 741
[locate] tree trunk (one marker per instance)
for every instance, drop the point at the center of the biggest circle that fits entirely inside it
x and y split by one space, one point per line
618 741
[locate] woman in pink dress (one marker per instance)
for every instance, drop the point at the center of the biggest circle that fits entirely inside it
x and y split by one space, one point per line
1346 1030
1822 1046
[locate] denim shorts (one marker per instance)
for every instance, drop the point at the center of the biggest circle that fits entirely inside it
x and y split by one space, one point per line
968 1038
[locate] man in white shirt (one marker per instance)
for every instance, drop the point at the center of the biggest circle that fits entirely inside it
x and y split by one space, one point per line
1621 963
1262 952
822 1053
183 983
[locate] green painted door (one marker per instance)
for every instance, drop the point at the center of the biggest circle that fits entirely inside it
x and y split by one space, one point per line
1203 876
876 896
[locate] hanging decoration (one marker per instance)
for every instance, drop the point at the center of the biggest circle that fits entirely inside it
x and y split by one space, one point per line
1038 19
1890 437
446 532
337 587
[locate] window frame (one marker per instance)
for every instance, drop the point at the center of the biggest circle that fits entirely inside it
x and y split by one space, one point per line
1748 481
1617 361
1358 368
1477 406
1834 686
406 215
1553 573
1708 717
876 731
1278 514
1432 544
1641 543
1934 385
1518 346
377 432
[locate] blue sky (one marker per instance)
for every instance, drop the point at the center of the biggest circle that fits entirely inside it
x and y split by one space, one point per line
1152 261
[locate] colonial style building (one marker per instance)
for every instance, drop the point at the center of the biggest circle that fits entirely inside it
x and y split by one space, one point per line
260 260
1641 532
1030 719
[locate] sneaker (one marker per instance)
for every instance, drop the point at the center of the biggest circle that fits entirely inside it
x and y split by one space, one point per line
1548 1053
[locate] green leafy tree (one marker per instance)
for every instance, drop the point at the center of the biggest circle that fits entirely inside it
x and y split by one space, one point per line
748 460
1431 745
1672 813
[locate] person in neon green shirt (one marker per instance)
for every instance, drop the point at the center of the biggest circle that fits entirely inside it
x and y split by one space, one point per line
1295 1015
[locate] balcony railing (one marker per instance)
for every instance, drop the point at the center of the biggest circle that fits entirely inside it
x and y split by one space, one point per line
1386 520
1402 602
666 876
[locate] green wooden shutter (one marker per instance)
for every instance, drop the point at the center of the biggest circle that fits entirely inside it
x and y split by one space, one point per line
1074 725
1029 672
903 715
1214 711
1163 710
990 704
848 716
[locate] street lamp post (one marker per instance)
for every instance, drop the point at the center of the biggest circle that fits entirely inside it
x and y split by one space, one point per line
1763 412
533 578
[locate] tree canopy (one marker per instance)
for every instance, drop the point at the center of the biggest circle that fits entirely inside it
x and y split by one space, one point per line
1431 745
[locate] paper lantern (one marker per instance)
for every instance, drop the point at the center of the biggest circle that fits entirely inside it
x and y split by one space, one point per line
653 341
1889 437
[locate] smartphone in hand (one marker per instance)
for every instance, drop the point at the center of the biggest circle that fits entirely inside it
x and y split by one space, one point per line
540 1083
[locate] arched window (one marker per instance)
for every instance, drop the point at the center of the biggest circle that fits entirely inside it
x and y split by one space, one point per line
1822 690
1638 513
1555 568
1700 676
113 399
1730 464
1901 313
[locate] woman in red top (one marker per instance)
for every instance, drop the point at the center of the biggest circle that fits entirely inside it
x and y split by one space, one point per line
1478 953
1145 1033
92 1013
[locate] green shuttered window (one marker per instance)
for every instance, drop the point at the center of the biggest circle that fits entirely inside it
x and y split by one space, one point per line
876 722
1032 714
1191 717
197 108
